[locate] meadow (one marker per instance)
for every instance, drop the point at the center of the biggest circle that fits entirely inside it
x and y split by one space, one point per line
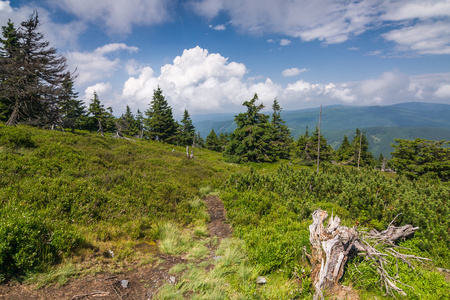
66 196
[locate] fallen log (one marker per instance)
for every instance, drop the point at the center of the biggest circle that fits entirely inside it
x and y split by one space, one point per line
332 245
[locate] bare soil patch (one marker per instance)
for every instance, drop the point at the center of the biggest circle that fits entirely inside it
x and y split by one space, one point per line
143 281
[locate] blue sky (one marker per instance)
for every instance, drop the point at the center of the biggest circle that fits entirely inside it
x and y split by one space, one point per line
212 55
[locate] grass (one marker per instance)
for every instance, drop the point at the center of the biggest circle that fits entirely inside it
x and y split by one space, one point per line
72 199
174 240
233 277
57 275
83 192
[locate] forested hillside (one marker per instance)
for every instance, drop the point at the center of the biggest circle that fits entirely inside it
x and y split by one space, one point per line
381 123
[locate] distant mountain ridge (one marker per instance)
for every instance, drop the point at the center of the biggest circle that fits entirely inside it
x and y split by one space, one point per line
381 123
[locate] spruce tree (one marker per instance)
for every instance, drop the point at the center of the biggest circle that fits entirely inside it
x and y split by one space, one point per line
212 141
223 140
421 157
345 151
32 74
99 113
282 135
140 123
187 130
306 148
252 141
360 149
127 124
8 53
70 108
303 148
160 123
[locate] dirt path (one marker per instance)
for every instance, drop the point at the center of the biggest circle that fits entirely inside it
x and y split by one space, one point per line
142 281
217 214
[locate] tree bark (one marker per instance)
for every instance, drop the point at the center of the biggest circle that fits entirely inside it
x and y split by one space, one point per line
331 247
318 142
12 120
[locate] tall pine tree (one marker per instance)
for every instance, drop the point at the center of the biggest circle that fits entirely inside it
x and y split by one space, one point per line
282 135
127 124
252 141
32 73
187 130
361 153
160 123
345 152
99 114
212 141
305 151
8 53
70 108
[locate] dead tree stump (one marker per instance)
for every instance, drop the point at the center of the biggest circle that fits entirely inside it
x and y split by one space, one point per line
331 247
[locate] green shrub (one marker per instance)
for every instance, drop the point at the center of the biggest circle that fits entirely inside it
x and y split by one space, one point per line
15 137
29 242
272 212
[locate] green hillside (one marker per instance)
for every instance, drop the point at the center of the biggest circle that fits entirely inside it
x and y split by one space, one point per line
77 204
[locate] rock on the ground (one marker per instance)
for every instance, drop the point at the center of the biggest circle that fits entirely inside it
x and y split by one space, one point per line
261 280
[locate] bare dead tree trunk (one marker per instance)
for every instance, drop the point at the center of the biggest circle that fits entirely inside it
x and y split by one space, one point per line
318 143
359 153
383 165
332 245
100 128
12 120
189 156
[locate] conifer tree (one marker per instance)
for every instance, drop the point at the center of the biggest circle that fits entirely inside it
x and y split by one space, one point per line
252 139
32 73
223 140
160 123
187 130
212 141
70 108
198 141
140 123
419 157
360 147
303 148
307 145
282 135
99 113
345 151
127 123
8 53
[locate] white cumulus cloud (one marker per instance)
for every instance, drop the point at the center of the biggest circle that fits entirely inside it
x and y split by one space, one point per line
218 27
200 81
284 42
421 26
59 35
428 38
443 91
118 16
206 82
293 72
94 66
101 88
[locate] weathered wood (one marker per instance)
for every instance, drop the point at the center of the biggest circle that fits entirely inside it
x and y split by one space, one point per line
330 250
331 247
189 156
